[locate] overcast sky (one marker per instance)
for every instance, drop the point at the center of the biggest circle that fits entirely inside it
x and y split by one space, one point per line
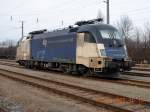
50 14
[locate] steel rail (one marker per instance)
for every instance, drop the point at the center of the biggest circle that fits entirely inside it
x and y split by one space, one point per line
136 74
123 81
141 69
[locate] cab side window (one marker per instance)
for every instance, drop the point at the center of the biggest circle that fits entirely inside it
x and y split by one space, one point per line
89 38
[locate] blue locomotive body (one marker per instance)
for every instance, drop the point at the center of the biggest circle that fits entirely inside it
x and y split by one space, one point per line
54 48
88 48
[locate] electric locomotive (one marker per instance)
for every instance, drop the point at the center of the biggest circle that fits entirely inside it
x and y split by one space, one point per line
90 47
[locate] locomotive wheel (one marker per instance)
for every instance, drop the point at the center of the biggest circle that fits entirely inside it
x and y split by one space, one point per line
65 69
82 70
26 64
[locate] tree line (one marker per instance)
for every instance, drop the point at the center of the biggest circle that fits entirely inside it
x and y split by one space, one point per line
137 39
8 49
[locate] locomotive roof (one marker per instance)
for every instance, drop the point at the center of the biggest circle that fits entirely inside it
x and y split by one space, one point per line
83 28
92 27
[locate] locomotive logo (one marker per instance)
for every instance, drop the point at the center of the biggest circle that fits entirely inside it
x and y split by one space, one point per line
45 42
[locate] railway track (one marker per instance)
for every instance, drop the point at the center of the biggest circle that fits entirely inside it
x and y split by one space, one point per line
135 83
7 60
142 65
137 73
141 69
109 101
13 64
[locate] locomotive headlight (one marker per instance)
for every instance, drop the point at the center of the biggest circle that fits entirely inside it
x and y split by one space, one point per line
127 59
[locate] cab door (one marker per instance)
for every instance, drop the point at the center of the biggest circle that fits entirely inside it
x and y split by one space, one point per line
86 48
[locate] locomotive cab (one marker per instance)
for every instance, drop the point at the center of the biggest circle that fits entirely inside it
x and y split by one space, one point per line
102 49
115 48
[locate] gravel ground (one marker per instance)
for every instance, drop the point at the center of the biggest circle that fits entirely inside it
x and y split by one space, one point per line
129 91
36 100
9 105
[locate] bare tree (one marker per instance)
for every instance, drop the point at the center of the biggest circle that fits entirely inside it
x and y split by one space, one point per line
147 34
125 27
137 53
136 39
146 42
137 34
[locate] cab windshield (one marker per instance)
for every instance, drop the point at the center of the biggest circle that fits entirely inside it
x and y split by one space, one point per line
110 34
111 38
